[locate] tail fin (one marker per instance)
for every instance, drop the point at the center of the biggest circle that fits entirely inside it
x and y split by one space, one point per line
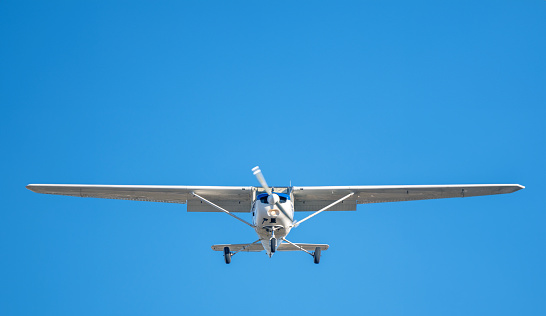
308 247
237 247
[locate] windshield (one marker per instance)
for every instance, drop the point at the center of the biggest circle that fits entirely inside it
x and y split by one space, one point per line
282 197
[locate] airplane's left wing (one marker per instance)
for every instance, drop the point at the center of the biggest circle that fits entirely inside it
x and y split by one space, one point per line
234 199
315 198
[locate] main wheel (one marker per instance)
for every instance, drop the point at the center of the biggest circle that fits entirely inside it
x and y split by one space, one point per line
316 255
273 244
227 255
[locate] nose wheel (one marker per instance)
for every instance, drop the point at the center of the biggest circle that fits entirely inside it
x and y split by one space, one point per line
273 240
273 245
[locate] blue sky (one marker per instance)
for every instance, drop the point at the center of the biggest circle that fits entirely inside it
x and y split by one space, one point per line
315 92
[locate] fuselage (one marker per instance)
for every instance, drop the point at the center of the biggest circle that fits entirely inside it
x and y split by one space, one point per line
269 220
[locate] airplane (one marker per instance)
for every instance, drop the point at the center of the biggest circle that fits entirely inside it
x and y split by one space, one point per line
272 208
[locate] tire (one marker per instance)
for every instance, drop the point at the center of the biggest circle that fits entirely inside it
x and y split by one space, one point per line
316 255
227 255
273 244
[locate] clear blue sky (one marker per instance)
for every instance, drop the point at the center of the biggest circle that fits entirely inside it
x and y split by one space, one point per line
315 92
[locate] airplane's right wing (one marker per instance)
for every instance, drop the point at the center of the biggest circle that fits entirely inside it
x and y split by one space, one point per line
236 199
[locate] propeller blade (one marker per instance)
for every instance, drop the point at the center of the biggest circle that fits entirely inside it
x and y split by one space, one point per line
258 173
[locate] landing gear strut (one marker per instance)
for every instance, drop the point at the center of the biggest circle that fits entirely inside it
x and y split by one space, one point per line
227 255
315 255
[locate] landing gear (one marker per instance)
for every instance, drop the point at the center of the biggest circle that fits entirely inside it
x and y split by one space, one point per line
227 255
273 242
316 255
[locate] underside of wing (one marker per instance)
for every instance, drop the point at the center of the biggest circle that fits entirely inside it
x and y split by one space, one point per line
239 199
236 199
314 198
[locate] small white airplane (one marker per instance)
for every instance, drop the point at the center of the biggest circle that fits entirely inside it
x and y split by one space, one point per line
273 209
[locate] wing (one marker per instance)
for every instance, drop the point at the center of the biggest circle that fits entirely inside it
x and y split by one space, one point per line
234 199
315 198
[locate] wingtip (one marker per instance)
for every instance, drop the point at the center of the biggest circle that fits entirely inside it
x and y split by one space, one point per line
32 187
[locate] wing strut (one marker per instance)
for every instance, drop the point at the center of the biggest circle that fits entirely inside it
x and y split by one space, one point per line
323 209
221 209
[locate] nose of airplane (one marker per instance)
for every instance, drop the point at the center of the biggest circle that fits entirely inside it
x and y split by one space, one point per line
273 199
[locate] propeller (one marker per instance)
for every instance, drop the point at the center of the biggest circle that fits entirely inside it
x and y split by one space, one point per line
272 197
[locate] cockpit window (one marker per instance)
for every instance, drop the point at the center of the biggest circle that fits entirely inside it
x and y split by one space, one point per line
282 197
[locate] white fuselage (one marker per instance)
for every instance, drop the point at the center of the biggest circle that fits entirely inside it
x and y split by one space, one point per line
268 219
